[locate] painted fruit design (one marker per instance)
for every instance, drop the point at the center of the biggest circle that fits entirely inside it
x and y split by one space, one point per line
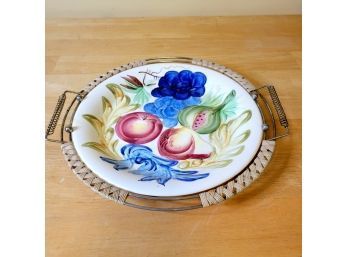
205 138
138 127
204 119
183 143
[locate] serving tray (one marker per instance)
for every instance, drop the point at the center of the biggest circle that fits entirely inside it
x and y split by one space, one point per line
178 129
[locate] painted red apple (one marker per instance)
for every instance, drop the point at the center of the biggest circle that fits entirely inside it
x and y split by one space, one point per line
182 144
138 127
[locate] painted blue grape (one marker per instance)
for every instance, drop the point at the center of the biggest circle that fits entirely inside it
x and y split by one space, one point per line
181 85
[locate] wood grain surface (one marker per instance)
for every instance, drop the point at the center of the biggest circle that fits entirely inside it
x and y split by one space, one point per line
264 220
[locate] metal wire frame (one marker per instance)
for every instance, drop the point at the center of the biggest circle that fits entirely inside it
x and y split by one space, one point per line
255 94
57 112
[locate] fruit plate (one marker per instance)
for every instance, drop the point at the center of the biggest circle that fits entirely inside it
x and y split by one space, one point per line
167 127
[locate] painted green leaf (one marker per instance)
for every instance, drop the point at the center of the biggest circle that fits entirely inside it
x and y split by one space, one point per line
98 147
141 96
106 104
212 99
234 152
113 88
218 164
240 138
229 109
239 121
121 99
94 121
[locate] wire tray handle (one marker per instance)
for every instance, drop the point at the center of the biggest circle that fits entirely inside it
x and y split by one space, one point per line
278 106
56 115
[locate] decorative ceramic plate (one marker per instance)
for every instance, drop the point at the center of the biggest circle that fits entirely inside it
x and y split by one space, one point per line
167 129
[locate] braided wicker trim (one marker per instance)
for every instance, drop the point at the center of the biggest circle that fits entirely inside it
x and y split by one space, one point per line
89 178
243 180
228 72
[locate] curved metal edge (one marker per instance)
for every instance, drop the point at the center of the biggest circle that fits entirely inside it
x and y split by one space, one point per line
166 198
168 59
169 209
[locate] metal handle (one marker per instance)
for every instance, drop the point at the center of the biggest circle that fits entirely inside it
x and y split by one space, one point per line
56 115
277 106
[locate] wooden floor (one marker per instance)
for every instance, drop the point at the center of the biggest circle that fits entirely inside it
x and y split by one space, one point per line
265 220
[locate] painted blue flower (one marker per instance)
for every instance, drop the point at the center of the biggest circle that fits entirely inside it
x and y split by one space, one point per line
181 85
151 167
167 108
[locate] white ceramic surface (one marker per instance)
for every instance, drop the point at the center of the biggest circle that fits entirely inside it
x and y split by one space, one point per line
216 82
